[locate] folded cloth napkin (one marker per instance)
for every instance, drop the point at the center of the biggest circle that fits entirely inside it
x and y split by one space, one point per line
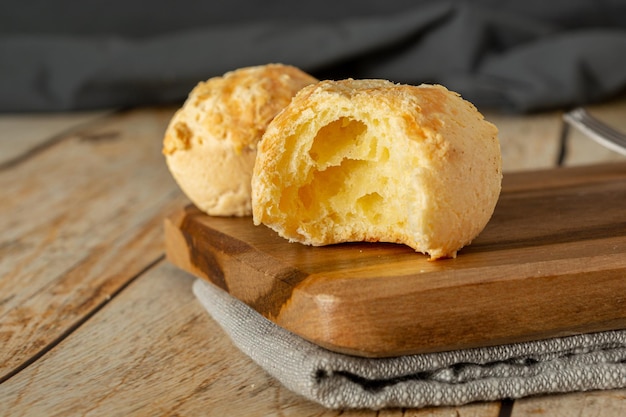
574 363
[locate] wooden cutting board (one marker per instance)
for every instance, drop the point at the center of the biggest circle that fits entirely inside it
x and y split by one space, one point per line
551 262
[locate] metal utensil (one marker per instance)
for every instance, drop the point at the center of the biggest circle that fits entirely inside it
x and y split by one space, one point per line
599 131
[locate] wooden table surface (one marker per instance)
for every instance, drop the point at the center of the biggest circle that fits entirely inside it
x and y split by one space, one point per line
94 321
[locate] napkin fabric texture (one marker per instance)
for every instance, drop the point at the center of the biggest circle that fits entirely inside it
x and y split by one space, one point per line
574 363
515 55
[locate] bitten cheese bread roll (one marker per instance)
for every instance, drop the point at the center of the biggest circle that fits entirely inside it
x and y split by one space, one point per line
210 143
370 160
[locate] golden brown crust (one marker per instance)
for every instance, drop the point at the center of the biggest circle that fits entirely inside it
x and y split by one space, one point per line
210 143
376 161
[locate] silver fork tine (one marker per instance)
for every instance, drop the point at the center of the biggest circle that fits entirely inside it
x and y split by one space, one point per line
603 128
599 131
596 125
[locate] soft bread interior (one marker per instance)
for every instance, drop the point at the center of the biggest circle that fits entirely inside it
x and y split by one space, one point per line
345 179
367 160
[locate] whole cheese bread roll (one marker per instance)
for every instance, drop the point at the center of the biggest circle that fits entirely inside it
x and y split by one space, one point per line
210 143
370 160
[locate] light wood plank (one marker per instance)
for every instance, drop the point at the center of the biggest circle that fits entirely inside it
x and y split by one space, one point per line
23 132
528 142
78 221
155 351
152 350
470 410
611 403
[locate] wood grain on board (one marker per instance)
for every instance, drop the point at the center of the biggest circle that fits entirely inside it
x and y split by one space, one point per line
550 263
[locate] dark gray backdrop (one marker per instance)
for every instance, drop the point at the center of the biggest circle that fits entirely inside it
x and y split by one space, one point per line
513 55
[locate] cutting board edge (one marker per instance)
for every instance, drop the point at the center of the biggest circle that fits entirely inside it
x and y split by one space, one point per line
599 174
318 309
315 317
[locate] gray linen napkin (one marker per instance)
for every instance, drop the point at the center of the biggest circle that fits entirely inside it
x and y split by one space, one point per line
574 363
